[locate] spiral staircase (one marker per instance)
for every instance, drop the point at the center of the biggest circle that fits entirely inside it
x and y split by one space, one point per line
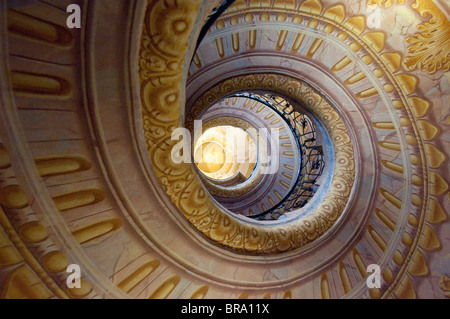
343 108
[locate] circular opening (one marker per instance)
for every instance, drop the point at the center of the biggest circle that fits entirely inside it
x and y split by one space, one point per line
210 157
224 151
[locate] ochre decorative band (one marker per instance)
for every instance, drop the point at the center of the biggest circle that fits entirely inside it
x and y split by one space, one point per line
216 188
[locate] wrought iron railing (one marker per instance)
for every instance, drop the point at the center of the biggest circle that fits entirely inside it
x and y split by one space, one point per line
312 161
